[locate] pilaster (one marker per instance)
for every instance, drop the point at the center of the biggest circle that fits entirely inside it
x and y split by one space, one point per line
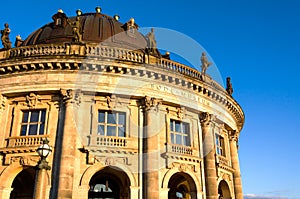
71 99
235 165
151 150
209 154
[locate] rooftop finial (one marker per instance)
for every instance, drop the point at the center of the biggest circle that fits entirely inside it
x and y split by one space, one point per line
98 9
78 12
117 17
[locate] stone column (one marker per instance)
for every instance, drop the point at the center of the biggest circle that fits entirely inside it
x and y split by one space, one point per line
151 150
68 145
41 184
209 153
236 165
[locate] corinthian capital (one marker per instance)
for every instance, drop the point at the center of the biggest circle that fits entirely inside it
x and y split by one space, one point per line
71 96
151 104
205 118
233 136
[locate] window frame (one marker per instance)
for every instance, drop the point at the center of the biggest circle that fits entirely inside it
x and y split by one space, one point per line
220 145
117 124
29 123
173 133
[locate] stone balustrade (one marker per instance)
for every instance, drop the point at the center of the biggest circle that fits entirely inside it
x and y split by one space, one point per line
184 150
25 141
108 141
223 160
115 53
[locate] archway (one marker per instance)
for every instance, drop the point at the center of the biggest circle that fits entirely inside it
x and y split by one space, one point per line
23 184
182 186
223 190
109 183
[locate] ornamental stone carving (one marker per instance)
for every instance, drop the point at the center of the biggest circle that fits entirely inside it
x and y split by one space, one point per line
229 88
205 118
205 63
151 104
71 96
22 160
5 37
181 111
32 100
111 101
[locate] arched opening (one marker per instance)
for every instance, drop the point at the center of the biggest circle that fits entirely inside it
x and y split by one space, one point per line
223 190
109 183
23 184
182 186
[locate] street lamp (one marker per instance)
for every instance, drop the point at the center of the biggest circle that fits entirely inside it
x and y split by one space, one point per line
44 150
41 182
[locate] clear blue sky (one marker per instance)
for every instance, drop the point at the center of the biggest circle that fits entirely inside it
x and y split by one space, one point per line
254 42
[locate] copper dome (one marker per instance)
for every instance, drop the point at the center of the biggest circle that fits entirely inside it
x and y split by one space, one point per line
95 28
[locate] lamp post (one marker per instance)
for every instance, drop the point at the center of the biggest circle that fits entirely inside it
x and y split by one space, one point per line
41 183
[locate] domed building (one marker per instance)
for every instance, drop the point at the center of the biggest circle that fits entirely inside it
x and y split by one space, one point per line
121 119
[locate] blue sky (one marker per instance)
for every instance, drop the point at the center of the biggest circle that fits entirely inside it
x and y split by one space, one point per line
254 42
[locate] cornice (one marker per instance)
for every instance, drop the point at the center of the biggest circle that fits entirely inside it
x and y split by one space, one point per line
55 58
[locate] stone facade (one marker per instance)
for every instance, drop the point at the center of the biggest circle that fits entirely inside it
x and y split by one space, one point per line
122 123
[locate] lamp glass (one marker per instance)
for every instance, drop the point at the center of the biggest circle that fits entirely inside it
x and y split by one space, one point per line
44 150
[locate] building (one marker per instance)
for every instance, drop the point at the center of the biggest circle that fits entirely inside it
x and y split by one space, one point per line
123 120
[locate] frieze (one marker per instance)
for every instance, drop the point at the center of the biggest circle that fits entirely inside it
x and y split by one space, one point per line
184 167
22 160
180 93
111 161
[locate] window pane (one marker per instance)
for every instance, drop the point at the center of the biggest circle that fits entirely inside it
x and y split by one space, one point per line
121 132
23 130
178 139
42 127
172 138
121 118
100 130
111 131
101 117
25 116
177 126
43 117
33 129
111 118
34 116
171 125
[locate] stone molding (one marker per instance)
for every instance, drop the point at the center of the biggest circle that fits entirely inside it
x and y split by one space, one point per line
208 88
3 100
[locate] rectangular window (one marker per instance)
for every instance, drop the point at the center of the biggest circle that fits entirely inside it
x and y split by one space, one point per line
111 124
33 122
220 145
180 133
